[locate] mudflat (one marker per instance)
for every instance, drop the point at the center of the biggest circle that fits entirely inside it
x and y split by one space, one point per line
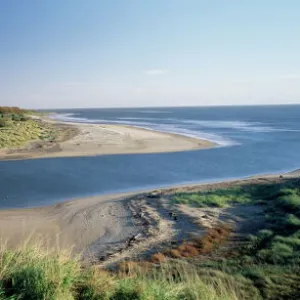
101 226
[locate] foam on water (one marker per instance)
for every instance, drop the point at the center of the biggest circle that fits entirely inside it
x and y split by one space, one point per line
268 137
237 125
179 128
192 128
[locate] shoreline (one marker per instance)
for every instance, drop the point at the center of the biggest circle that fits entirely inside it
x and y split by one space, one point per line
98 225
85 139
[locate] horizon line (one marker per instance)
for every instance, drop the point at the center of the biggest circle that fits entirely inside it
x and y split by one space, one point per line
178 106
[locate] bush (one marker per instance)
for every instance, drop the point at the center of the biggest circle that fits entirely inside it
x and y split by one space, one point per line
290 201
282 250
2 123
127 290
294 242
158 258
18 118
293 221
278 254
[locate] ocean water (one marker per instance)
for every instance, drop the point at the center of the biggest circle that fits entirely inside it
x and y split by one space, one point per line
251 140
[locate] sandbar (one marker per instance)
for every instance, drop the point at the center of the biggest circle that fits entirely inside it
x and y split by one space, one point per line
85 139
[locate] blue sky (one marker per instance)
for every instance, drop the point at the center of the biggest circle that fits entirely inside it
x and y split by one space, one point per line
110 53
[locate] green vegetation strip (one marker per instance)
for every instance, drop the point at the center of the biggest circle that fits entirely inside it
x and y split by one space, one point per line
218 198
33 274
17 129
270 259
266 266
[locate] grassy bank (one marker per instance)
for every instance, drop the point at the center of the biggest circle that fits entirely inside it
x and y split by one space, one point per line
266 265
32 273
269 258
262 265
17 128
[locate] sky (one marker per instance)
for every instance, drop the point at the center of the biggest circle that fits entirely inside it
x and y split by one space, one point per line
126 53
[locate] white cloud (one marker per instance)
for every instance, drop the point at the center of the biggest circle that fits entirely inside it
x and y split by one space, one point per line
155 72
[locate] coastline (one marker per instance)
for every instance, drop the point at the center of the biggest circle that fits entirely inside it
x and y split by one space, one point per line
84 139
100 225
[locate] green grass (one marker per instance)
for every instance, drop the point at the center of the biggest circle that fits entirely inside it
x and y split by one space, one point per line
286 196
35 274
217 198
267 266
271 257
16 129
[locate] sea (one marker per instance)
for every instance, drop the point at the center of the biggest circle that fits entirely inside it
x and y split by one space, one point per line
251 140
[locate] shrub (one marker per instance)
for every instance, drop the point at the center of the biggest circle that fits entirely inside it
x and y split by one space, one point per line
2 123
294 242
174 253
127 290
290 201
158 258
94 284
279 253
293 221
187 250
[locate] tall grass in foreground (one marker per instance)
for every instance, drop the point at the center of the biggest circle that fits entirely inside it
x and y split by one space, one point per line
35 274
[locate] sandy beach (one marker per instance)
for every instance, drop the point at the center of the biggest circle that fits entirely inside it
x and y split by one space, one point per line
100 226
82 139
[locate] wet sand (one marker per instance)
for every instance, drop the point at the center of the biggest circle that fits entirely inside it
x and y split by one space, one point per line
100 226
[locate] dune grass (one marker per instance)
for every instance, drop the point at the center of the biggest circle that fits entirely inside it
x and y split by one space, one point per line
17 129
286 195
17 133
216 198
270 259
32 273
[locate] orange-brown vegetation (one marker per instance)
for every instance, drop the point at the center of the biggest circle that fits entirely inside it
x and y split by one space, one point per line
11 110
198 246
203 245
174 253
158 258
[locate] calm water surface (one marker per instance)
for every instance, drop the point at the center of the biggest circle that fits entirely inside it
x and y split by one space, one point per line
252 140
